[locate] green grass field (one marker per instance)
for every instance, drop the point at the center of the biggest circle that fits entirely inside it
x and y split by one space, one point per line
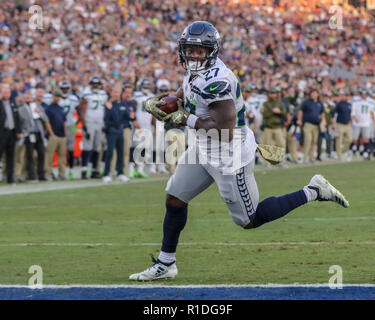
100 235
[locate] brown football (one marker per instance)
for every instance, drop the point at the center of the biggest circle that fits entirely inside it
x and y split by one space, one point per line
170 104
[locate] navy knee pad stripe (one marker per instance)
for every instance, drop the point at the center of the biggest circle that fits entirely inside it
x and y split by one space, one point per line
244 192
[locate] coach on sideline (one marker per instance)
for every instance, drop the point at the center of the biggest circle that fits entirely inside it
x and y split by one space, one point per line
131 107
274 115
310 115
343 110
57 140
115 115
10 129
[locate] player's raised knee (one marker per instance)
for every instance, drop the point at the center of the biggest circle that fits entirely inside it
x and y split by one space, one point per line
173 201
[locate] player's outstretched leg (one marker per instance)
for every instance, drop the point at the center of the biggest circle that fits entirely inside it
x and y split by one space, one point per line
276 207
165 266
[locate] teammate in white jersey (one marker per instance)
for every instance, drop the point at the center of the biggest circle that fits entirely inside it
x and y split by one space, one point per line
91 113
254 106
143 134
371 98
162 87
69 102
212 99
362 123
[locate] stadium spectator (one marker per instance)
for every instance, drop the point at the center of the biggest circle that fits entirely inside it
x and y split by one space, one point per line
10 129
57 138
310 116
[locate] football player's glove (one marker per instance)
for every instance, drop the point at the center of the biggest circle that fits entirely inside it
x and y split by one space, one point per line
152 105
86 133
273 154
179 117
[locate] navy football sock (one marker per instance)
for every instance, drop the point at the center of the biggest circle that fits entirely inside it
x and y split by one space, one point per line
94 159
276 207
71 159
85 158
367 147
174 222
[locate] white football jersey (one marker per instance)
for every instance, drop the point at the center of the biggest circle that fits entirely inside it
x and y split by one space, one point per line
143 117
254 105
362 109
69 104
219 83
95 105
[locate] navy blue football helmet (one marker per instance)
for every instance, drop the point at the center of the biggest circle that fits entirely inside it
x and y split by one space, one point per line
202 34
144 85
65 88
362 90
95 83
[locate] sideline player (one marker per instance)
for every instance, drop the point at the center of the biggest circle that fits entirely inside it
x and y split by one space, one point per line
219 105
254 106
69 103
362 121
91 112
144 132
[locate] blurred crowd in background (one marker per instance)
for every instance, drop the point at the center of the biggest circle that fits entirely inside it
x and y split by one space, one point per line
283 51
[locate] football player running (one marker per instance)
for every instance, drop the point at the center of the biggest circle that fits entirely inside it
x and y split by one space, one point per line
69 103
91 112
212 99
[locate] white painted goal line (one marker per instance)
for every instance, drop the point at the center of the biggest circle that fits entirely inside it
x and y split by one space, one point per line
148 244
192 286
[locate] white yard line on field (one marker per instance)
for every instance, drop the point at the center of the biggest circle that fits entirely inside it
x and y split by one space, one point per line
77 184
64 185
148 244
191 286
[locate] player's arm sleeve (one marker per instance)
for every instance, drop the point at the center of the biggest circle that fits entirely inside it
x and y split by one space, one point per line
218 90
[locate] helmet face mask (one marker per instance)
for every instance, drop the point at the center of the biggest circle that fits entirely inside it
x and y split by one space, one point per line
195 57
95 83
199 35
65 88
145 86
